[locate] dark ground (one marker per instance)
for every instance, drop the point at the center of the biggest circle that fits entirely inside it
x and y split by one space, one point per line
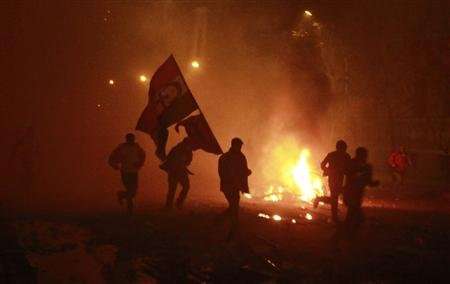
402 241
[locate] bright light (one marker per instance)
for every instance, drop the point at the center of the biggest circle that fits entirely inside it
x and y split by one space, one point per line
308 13
248 195
99 105
294 221
290 170
143 78
265 216
308 216
195 64
111 82
276 218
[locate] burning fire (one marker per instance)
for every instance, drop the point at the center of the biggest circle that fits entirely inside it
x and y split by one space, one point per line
291 171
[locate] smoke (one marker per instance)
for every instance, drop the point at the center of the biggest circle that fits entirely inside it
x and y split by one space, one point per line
266 73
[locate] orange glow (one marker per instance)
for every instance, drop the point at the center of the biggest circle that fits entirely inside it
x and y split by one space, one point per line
308 13
111 82
308 217
290 168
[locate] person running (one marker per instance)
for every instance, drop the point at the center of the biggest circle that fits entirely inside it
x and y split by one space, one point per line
334 166
128 157
359 176
399 162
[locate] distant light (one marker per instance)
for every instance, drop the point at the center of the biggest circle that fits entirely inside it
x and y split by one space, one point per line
294 221
308 216
276 218
308 13
143 78
111 82
195 64
248 195
99 105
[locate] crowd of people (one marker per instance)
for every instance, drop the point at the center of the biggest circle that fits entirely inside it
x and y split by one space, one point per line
346 176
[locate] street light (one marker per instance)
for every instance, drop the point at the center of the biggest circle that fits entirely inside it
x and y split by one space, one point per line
143 78
195 64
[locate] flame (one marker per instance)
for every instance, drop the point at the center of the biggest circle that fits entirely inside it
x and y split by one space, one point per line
277 218
273 194
290 172
308 185
265 216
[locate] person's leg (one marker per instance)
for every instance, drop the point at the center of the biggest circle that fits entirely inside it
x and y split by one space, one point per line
172 182
334 198
131 191
121 194
184 181
233 200
397 180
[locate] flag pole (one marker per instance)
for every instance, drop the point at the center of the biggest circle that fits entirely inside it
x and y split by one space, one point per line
198 106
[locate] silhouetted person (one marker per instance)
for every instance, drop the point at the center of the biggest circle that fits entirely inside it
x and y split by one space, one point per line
334 166
359 176
176 166
233 172
129 158
399 162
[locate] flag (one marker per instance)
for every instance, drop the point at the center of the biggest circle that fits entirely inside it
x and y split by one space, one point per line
200 134
169 101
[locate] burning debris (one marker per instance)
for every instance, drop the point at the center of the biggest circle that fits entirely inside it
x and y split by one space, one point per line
279 218
292 176
265 216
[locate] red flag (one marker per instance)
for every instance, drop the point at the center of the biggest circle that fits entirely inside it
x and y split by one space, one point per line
169 101
200 133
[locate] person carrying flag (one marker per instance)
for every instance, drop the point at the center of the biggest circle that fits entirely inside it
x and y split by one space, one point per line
176 166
